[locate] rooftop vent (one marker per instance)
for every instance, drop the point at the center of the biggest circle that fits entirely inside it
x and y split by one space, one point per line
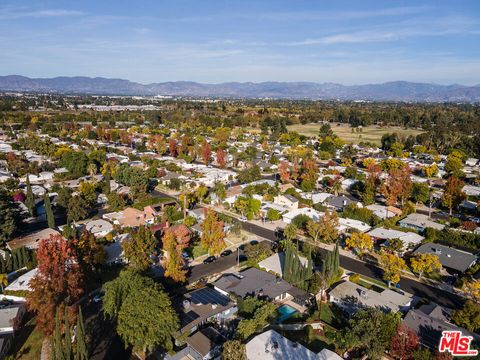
186 304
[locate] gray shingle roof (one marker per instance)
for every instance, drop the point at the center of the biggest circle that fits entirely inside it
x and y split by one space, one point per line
449 257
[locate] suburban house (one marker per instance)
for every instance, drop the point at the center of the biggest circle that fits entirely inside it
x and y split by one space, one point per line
384 212
197 213
132 217
205 305
254 282
338 203
22 282
114 251
311 213
99 228
450 258
345 225
409 239
276 263
351 297
204 344
10 316
270 345
429 321
30 241
419 222
287 201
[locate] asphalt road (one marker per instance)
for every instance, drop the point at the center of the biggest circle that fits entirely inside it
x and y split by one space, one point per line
416 288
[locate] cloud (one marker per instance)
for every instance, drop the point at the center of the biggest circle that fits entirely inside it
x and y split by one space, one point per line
18 13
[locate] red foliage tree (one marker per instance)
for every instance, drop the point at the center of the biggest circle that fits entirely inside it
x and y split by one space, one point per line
284 171
172 146
404 343
58 282
221 158
206 152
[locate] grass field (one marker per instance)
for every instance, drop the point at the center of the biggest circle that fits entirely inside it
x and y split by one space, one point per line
344 131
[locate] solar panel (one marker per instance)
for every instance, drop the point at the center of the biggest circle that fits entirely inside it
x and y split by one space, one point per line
208 296
188 318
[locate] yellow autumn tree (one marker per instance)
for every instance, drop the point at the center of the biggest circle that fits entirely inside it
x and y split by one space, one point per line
392 267
359 242
472 288
425 263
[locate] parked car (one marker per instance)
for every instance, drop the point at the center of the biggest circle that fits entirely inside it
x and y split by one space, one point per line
226 253
241 247
210 259
254 242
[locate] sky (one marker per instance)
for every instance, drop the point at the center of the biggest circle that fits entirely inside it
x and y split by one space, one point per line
347 42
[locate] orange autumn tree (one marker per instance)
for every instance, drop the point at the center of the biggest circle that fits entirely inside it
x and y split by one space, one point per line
172 146
212 233
206 152
284 171
175 240
221 158
58 282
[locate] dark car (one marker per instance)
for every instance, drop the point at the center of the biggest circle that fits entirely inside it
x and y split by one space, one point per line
226 253
254 242
209 259
241 247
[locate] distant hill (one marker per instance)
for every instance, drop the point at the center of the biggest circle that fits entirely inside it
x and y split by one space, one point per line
390 91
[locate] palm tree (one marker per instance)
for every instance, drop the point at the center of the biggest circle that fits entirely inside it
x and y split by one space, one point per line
3 280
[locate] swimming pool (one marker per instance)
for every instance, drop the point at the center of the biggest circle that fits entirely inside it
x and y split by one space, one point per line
284 312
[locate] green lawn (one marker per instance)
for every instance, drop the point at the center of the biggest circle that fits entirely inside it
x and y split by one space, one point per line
27 344
344 131
198 250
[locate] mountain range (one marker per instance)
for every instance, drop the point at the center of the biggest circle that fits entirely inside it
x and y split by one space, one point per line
389 91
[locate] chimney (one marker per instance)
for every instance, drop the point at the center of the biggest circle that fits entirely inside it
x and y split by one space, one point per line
186 305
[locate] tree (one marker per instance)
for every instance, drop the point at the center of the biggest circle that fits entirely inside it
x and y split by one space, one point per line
139 248
260 319
75 162
78 208
328 227
397 186
233 350
147 319
370 330
201 192
58 282
206 151
392 267
30 199
404 343
63 198
3 279
454 164
250 174
425 263
174 262
360 242
284 171
220 190
213 236
89 253
108 178
420 193
273 215
172 147
115 201
472 289
290 232
81 343
10 217
221 158
468 316
430 170
49 212
452 193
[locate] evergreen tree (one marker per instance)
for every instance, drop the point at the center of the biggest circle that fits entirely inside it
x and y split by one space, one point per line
107 180
49 212
15 259
82 352
25 255
68 337
9 263
3 268
57 339
30 199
